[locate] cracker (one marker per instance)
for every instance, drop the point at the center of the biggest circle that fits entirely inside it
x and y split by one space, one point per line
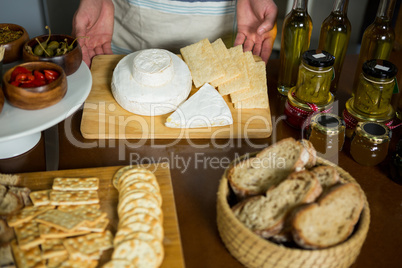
148 202
97 227
75 184
242 81
79 263
90 243
128 195
258 101
28 235
138 251
27 258
60 220
118 263
124 171
52 248
68 208
156 212
27 214
88 213
231 69
153 227
73 197
49 232
257 76
203 63
55 262
40 198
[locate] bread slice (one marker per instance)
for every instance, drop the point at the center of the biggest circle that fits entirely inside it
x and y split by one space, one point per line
330 220
10 204
327 175
271 166
265 215
9 179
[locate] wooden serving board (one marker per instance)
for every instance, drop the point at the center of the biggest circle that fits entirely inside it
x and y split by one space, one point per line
108 196
104 118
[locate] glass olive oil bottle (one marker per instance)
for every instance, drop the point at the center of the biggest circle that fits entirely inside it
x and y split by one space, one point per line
296 33
334 37
378 39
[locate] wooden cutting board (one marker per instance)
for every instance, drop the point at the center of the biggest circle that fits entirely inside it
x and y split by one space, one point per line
104 118
108 196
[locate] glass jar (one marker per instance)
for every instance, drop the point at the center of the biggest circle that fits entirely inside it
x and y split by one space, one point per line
298 113
374 92
370 143
327 134
315 76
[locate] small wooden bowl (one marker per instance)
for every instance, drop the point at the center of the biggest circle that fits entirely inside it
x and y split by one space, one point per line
37 97
70 61
13 49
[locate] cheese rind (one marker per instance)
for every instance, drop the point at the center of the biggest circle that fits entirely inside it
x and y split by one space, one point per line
206 108
150 100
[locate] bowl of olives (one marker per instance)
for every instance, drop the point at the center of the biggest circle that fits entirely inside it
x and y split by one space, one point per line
35 85
61 49
12 38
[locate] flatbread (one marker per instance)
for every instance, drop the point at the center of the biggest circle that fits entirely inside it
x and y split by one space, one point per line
203 62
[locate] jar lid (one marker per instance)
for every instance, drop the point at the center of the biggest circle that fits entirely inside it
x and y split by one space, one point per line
318 58
380 68
328 123
374 132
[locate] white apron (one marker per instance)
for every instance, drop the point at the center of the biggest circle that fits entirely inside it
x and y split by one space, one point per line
171 25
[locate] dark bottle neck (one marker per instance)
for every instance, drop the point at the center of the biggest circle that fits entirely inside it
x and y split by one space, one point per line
300 5
340 7
385 10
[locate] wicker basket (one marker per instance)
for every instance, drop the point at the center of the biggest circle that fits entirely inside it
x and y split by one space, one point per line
254 251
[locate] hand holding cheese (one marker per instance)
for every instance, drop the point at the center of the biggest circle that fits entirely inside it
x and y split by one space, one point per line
206 108
151 82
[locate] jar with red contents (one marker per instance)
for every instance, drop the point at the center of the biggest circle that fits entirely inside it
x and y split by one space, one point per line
298 113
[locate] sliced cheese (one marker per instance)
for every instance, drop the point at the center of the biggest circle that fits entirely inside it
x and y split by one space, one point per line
206 108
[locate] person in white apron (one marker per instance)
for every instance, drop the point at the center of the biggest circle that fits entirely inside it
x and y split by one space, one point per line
124 26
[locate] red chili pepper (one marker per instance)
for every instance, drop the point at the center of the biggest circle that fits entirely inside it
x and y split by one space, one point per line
25 78
34 83
51 75
39 75
15 83
19 70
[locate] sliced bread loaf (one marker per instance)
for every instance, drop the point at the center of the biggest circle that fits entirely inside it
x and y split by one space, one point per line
330 220
265 215
327 175
270 167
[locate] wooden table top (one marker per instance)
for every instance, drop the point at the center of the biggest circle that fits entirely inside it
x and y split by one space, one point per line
197 166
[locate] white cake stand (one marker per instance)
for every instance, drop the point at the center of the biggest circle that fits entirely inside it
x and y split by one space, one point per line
20 130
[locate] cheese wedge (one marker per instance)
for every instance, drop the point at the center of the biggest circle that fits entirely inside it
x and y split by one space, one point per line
206 108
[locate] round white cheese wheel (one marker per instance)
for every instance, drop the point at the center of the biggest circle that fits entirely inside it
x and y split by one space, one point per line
156 83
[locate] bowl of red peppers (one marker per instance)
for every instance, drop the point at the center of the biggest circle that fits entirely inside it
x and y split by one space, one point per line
35 85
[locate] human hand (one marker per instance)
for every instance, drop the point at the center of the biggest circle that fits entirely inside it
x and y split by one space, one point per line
93 23
256 23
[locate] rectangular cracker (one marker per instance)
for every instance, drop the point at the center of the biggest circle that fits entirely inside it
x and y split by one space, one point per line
49 232
97 227
73 197
27 214
242 81
75 184
202 62
56 262
86 212
231 69
257 75
28 235
40 198
258 101
89 244
52 248
27 258
78 263
60 220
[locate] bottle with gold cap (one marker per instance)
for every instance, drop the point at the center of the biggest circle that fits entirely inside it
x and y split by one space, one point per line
378 39
296 33
370 143
334 37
